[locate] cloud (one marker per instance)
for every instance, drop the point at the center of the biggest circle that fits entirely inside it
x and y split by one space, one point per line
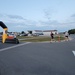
19 26
18 23
11 18
48 13
14 22
73 16
15 17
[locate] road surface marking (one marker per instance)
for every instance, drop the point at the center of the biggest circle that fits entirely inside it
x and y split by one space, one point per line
13 46
73 52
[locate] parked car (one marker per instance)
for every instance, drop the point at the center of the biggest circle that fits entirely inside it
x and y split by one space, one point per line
23 34
35 34
11 35
40 33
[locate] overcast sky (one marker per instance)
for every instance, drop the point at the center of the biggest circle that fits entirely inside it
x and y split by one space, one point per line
22 15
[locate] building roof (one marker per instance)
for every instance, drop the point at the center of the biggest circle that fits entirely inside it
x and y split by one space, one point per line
38 30
49 30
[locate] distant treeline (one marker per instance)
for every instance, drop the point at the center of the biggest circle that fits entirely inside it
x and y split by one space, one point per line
72 31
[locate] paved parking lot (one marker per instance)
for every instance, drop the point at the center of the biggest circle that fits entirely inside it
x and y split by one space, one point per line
38 58
5 45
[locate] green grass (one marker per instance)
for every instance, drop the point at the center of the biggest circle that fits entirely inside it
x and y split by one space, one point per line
37 39
22 37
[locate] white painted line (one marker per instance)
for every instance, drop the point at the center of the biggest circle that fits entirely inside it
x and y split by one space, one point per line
13 46
73 52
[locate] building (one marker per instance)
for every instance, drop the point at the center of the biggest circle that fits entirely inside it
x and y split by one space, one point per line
48 32
37 31
45 32
40 32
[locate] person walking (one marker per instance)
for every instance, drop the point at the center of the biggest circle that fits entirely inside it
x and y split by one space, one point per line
66 36
52 36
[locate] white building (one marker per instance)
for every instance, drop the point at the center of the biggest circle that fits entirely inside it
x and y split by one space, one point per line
45 32
37 31
48 32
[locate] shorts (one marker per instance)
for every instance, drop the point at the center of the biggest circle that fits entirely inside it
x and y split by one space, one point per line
66 36
52 37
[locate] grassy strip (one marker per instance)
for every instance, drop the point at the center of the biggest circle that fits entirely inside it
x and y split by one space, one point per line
22 37
38 39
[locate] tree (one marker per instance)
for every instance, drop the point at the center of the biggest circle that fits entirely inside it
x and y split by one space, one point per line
30 32
72 31
22 32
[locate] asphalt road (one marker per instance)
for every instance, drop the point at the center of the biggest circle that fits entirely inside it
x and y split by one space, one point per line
38 58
